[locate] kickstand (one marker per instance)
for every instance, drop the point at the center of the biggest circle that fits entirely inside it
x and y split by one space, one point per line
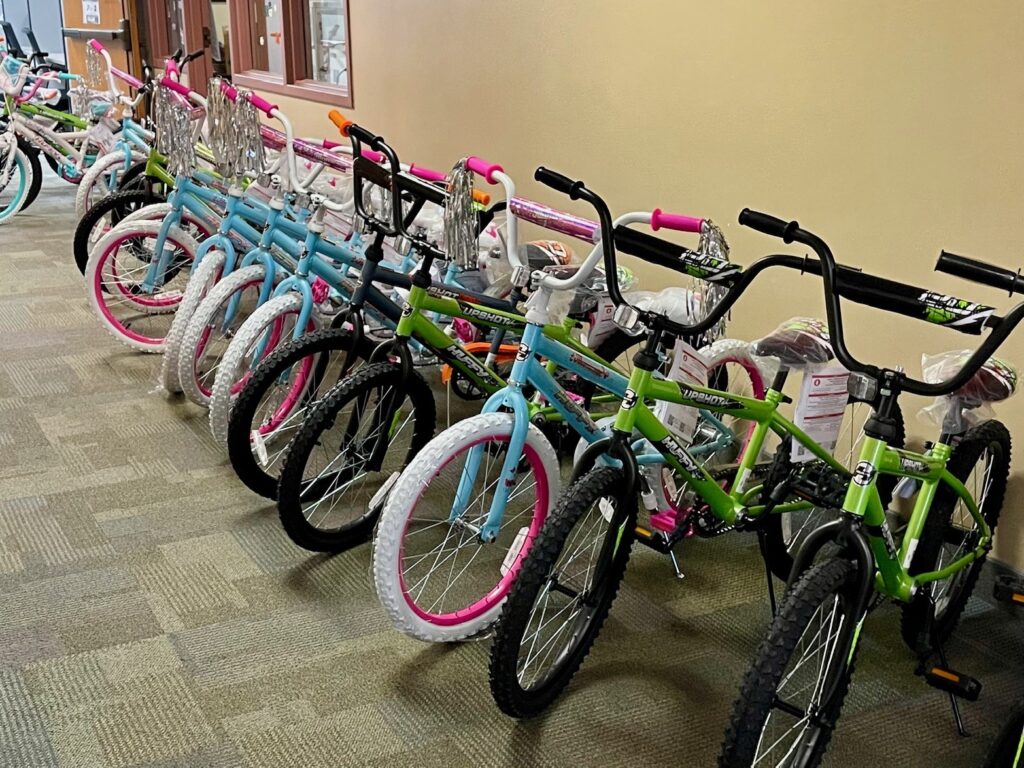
675 565
952 699
761 535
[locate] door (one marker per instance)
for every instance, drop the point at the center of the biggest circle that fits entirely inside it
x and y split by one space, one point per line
109 21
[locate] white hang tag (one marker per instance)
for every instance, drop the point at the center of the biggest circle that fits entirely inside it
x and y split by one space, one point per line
689 369
261 447
820 409
603 323
513 551
103 137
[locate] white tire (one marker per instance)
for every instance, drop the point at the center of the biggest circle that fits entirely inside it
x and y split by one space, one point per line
392 536
21 164
94 184
195 348
200 282
235 364
110 292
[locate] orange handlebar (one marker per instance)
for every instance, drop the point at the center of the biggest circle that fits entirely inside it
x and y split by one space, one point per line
340 121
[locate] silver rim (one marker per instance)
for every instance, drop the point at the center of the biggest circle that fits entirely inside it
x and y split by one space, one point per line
790 729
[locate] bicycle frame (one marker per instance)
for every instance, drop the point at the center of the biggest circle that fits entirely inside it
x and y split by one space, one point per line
862 501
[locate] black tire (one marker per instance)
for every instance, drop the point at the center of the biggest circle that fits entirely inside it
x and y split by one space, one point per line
759 695
1008 744
780 548
940 530
327 345
540 578
375 382
37 172
116 205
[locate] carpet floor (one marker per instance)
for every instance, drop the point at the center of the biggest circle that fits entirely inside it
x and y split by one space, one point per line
153 613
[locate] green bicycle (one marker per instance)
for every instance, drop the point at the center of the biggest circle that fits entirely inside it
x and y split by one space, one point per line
571 576
790 699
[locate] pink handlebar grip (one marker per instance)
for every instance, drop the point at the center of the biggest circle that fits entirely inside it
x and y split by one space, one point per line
483 168
328 144
175 86
676 222
96 45
261 104
228 90
426 174
376 157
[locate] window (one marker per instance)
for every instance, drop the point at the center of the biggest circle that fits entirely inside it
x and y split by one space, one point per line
294 47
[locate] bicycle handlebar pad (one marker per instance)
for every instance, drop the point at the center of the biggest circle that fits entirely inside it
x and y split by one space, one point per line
852 284
979 272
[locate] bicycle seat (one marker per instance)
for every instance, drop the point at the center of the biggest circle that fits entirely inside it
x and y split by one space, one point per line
996 380
798 342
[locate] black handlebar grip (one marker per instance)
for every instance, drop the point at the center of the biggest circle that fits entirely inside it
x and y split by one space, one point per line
979 272
768 224
177 53
194 55
558 182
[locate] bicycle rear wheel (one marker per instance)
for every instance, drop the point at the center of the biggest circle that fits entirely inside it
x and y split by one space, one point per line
563 594
1008 749
981 460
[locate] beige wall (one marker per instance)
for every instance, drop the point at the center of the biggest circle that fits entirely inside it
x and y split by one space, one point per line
892 129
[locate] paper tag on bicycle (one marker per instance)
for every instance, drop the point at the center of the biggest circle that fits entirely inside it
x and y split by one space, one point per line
819 412
261 447
603 324
103 137
688 368
513 551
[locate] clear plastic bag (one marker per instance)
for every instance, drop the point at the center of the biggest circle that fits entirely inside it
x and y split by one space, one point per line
971 404
796 343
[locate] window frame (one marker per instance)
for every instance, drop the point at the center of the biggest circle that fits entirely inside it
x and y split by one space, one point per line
295 81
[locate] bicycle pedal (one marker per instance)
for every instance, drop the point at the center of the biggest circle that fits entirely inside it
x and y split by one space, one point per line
1009 590
954 683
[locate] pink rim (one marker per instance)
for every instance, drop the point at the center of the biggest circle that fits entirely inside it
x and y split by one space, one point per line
294 394
501 589
97 287
204 339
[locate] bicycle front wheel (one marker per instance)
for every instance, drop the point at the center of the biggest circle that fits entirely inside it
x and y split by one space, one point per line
364 431
275 400
563 594
1008 749
436 576
785 715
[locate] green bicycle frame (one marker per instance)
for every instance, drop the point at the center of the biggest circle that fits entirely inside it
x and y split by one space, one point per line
415 323
862 500
730 506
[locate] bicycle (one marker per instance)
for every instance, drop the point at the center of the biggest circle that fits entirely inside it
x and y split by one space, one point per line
380 416
574 569
931 571
444 564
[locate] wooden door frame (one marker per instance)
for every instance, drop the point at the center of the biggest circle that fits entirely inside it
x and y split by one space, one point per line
197 16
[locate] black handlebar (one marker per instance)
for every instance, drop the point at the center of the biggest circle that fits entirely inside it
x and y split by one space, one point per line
768 224
945 310
559 183
980 272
